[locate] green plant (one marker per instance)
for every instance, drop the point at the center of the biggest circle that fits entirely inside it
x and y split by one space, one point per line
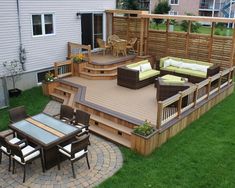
13 70
78 58
130 4
49 77
145 129
194 25
161 8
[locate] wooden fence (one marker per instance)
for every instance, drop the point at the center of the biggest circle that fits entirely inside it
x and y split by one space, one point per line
63 69
204 47
195 95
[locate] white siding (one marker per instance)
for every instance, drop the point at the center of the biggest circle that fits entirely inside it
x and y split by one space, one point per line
42 52
9 36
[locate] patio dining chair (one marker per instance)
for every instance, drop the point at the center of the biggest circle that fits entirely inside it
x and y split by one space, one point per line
66 114
131 44
17 114
25 155
102 45
119 47
4 147
74 151
81 121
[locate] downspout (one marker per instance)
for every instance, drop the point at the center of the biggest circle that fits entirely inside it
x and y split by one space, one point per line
22 52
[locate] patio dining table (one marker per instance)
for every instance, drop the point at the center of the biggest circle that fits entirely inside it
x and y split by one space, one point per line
47 132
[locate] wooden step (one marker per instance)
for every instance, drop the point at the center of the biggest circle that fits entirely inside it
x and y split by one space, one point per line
101 69
65 90
112 124
110 136
98 76
61 98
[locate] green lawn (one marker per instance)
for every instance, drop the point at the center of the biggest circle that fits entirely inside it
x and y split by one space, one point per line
32 99
202 29
203 155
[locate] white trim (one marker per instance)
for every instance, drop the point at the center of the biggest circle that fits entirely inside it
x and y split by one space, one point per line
174 3
43 24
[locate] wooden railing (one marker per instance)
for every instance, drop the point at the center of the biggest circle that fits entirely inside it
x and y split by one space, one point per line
74 49
172 108
63 69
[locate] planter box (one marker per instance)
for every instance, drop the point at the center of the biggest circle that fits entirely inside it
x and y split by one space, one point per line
14 92
48 87
144 145
78 68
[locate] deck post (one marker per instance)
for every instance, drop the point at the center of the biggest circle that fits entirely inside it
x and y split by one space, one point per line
141 36
159 114
211 41
56 69
232 49
208 88
179 104
195 96
219 82
187 39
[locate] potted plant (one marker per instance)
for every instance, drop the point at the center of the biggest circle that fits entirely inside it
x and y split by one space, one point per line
145 129
78 58
49 77
14 71
49 83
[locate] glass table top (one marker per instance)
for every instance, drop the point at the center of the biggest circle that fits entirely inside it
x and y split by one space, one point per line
54 123
39 133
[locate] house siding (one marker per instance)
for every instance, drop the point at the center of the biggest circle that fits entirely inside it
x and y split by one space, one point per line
9 36
43 51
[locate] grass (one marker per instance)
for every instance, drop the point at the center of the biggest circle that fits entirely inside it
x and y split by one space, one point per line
202 155
202 29
32 99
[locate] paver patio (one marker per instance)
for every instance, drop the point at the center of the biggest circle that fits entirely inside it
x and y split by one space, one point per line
105 159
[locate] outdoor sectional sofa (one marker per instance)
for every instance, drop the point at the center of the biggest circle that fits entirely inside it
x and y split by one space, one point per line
195 71
136 75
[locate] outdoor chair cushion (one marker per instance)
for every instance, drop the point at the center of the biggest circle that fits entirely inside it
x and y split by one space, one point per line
191 72
68 149
25 151
171 79
148 74
12 141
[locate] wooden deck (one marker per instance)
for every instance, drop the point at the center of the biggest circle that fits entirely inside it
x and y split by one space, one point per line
140 104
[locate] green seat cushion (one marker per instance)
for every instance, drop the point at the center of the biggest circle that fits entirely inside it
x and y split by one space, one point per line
192 72
172 79
148 74
170 68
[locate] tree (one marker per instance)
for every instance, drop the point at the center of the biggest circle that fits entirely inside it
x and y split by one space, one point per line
194 26
130 4
161 8
14 70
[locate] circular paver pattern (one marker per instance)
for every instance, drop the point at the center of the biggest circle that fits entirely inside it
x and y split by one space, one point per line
105 159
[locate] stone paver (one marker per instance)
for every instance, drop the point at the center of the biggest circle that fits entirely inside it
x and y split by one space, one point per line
105 159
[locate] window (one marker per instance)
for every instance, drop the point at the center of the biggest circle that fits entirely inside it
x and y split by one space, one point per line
172 12
43 24
98 28
174 2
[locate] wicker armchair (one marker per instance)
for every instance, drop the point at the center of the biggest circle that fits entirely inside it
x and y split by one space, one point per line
102 45
17 114
66 113
74 151
131 44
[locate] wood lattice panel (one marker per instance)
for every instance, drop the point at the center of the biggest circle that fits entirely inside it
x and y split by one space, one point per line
221 51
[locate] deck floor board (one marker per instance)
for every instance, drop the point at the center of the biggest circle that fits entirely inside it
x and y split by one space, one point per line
140 104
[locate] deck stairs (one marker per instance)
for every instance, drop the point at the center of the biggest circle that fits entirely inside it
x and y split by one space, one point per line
102 72
100 123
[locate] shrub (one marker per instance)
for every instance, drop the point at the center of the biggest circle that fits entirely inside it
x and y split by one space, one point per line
145 129
161 8
194 27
